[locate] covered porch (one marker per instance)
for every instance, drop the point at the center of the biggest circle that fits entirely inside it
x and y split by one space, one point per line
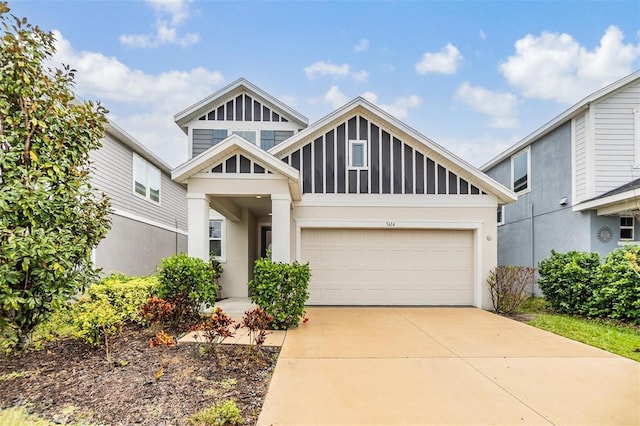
250 193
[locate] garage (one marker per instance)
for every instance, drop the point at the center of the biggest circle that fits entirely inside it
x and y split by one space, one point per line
389 266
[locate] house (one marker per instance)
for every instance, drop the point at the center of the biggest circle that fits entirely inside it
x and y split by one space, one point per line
149 218
577 179
384 215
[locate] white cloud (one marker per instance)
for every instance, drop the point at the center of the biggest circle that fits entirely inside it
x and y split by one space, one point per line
555 66
335 97
501 107
400 106
170 14
444 62
362 46
322 68
360 76
477 150
126 91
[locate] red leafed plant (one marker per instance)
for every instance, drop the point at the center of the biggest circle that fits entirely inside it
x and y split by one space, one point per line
162 339
216 328
158 311
257 322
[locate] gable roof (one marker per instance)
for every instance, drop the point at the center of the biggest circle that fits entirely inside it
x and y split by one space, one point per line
114 130
234 144
239 86
361 105
559 120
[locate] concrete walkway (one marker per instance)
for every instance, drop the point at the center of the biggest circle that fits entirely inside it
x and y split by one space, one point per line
443 366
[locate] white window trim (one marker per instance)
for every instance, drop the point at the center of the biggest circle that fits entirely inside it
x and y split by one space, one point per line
148 167
528 188
365 155
223 238
501 222
632 227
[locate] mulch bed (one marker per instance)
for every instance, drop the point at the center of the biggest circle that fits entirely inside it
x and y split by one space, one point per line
69 381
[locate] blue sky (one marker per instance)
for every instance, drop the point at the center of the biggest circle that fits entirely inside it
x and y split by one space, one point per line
474 76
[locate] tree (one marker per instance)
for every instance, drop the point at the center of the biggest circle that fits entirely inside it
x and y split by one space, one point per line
50 216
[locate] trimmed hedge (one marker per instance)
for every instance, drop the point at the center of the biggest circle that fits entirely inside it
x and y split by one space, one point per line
281 290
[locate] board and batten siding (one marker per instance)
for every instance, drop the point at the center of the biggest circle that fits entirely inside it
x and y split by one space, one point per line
394 166
112 173
614 139
580 158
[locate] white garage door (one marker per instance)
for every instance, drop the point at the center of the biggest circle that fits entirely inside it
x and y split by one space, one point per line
389 267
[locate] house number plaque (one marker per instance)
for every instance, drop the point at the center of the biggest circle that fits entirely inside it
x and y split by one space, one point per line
391 224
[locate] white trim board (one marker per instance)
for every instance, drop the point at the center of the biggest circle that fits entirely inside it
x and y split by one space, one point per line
146 221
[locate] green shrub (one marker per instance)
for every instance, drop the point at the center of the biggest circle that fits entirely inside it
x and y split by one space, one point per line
95 321
510 286
220 414
618 293
281 289
187 282
127 295
568 280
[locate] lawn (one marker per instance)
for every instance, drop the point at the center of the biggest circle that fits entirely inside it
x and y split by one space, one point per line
618 338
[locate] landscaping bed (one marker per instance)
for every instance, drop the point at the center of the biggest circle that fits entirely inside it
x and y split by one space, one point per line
69 381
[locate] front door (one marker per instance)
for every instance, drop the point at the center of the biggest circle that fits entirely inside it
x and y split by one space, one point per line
265 240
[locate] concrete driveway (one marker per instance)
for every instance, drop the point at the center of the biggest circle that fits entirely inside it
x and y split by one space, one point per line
438 366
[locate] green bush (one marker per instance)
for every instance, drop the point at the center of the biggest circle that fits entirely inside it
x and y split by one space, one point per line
568 280
618 293
188 282
281 289
127 295
220 414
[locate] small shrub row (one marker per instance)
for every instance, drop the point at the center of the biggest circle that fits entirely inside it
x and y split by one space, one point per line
281 289
577 283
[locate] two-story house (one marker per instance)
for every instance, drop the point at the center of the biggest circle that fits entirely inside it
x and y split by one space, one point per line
577 179
149 218
384 215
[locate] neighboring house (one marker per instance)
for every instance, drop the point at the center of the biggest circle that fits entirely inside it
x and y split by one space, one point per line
383 215
149 217
576 179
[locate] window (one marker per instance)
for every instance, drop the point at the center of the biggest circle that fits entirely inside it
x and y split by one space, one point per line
520 171
271 138
146 179
248 135
626 227
215 238
500 215
219 135
357 154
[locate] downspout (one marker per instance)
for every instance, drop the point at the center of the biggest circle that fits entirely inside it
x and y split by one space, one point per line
176 236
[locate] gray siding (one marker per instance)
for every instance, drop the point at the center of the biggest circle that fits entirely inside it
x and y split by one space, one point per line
136 248
580 158
555 227
614 139
113 174
394 165
243 108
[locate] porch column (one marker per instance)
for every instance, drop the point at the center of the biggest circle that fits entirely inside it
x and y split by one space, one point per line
198 220
281 228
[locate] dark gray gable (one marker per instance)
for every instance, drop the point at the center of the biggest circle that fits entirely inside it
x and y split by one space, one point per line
244 107
238 163
393 166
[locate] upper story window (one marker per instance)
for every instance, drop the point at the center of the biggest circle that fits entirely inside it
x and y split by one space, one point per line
271 138
146 179
500 215
626 227
249 135
357 154
521 171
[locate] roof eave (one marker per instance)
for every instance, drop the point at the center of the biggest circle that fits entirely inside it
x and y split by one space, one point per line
136 146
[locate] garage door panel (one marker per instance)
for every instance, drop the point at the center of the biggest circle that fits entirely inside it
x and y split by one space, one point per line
389 267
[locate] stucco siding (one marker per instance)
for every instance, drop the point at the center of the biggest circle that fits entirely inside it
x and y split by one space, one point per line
614 139
136 248
112 173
